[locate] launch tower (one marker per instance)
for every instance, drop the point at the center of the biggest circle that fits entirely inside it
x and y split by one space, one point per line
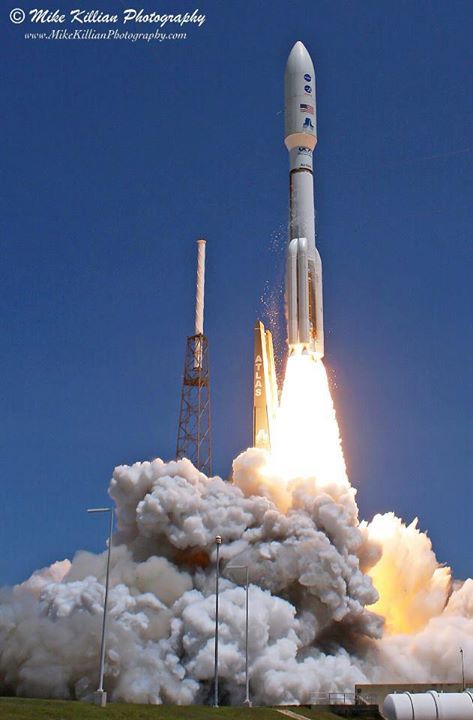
194 432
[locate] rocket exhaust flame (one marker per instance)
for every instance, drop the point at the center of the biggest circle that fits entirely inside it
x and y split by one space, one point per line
306 439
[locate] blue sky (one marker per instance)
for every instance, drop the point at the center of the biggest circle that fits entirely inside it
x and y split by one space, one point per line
118 155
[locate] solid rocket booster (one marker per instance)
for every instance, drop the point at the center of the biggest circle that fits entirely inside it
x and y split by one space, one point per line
303 265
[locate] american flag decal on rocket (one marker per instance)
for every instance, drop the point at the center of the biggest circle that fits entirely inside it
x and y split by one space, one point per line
306 108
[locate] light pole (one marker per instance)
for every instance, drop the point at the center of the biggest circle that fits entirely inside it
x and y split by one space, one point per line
463 670
247 701
101 695
218 542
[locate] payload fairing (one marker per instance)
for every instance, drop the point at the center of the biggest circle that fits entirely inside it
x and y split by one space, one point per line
304 309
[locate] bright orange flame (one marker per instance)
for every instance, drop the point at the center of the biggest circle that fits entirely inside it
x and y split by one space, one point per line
305 439
412 586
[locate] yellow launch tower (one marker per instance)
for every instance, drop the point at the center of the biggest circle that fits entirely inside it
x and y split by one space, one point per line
265 390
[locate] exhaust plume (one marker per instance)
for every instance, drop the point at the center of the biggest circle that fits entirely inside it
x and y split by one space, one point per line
333 601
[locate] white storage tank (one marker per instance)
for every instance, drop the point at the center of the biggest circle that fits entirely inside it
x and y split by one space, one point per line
429 706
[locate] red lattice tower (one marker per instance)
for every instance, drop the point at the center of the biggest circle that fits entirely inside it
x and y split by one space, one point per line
194 430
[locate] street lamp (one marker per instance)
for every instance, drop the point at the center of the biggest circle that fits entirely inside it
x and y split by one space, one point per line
218 542
101 695
247 701
463 670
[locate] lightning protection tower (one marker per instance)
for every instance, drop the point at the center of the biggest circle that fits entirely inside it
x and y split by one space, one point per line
193 434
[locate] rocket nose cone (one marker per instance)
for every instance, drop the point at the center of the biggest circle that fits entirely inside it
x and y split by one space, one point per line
298 49
299 59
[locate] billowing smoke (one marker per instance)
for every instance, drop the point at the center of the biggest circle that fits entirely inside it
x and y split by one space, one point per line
333 601
312 625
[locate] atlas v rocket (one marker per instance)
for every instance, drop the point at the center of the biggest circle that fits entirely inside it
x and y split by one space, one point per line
304 309
303 266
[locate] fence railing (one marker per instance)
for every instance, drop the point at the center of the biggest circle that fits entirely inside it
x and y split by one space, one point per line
341 698
332 698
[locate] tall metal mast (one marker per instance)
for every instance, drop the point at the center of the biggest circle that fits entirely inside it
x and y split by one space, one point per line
194 431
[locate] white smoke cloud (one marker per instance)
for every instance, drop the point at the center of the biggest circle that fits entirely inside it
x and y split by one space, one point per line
311 595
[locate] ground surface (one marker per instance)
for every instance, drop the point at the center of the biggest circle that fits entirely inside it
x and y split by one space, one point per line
21 709
350 711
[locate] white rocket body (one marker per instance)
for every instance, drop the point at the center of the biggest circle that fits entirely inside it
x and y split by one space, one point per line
304 307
